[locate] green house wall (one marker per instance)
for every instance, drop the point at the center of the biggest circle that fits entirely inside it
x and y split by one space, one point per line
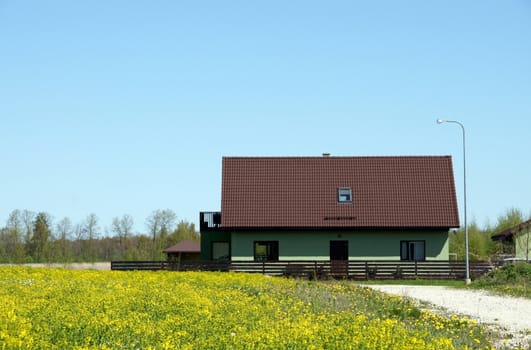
522 243
210 236
315 245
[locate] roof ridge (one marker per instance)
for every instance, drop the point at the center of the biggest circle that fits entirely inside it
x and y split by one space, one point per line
338 157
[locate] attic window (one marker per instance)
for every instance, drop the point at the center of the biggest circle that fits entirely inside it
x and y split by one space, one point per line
344 195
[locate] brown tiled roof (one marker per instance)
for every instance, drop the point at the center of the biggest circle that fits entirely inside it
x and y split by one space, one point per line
301 192
186 246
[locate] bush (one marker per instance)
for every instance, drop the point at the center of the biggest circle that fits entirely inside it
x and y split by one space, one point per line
513 279
510 273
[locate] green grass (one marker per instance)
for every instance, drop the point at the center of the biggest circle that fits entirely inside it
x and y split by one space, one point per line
511 279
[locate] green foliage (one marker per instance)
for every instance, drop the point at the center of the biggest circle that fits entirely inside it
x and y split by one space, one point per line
159 224
481 246
511 278
184 231
510 218
39 247
479 243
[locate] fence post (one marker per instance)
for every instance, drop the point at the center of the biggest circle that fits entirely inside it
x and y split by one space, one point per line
263 267
366 270
416 268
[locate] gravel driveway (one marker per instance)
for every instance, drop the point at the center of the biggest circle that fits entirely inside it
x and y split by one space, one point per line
511 316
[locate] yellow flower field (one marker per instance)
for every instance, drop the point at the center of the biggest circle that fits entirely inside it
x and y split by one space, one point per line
67 309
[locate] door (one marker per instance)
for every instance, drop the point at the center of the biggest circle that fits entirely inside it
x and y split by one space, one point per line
338 250
339 258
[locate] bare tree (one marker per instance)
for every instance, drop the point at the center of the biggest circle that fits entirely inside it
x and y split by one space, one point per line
160 223
91 227
123 228
91 230
65 231
27 221
12 238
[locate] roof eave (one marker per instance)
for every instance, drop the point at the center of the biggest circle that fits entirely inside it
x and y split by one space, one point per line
334 228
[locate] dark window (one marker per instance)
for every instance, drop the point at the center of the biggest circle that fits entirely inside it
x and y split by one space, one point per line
220 251
344 195
413 250
266 251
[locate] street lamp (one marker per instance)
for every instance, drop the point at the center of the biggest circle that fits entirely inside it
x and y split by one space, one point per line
440 121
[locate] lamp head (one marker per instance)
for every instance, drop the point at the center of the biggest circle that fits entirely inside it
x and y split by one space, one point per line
440 121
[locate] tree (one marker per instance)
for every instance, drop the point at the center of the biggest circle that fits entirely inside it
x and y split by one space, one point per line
64 235
78 243
39 247
160 223
123 228
4 256
510 218
479 242
28 218
90 230
184 231
12 238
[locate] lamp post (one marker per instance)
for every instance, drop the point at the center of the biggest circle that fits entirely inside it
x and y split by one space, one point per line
441 121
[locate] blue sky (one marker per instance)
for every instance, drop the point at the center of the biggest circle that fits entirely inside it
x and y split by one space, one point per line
125 107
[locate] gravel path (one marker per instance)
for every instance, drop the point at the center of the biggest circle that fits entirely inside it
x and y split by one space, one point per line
511 316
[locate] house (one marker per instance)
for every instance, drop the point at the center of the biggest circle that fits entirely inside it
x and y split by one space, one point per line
518 237
332 208
184 250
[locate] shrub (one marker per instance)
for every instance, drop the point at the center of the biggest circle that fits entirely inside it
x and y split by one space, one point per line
513 279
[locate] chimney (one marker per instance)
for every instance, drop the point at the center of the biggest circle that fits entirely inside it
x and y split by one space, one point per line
326 154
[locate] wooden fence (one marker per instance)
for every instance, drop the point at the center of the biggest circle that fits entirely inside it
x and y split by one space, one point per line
352 269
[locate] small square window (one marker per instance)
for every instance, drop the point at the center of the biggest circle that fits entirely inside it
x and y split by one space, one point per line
344 195
220 251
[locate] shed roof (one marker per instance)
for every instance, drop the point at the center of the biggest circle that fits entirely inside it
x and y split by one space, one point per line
508 233
186 246
302 192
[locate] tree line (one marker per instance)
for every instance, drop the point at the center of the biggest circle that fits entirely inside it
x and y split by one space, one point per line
30 237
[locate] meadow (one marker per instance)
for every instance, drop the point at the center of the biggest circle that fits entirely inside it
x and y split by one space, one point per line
69 309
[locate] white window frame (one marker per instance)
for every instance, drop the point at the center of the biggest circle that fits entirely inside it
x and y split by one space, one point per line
344 195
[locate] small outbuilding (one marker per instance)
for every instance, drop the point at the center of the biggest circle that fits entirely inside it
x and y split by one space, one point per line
518 238
184 251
